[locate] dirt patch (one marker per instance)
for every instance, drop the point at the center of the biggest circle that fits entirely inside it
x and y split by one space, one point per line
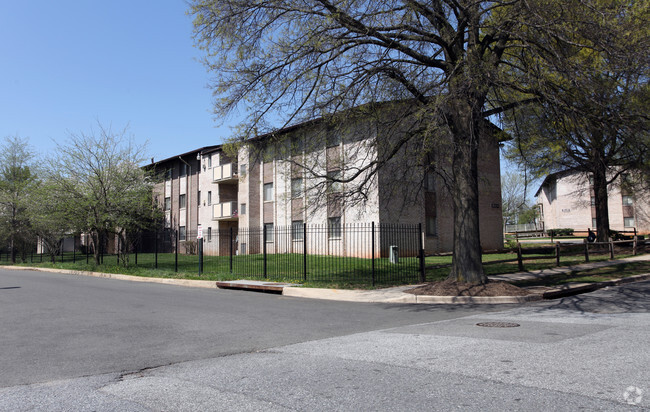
450 287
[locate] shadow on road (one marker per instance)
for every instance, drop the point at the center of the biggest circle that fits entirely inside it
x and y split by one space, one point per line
632 298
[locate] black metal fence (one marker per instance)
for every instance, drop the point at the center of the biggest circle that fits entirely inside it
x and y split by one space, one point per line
359 253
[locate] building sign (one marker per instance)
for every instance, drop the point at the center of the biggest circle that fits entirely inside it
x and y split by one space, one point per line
199 232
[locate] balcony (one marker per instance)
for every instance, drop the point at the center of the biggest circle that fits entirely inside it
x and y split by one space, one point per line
225 173
224 211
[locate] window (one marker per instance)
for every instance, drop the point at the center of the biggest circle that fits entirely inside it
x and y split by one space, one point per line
209 197
593 222
182 201
430 182
210 161
628 201
168 174
198 198
209 234
591 180
333 139
268 192
431 226
297 230
628 222
242 209
168 203
334 227
268 227
593 201
242 170
296 187
182 169
181 233
333 185
297 145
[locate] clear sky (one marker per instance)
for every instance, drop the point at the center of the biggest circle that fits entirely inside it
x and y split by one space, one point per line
67 64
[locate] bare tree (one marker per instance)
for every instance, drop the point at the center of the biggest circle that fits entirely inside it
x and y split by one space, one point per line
289 61
102 188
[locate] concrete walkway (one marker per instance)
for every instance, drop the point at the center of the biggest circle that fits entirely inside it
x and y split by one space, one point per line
394 294
398 295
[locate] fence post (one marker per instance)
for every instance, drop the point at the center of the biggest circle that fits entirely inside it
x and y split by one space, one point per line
373 254
304 251
135 247
264 247
586 251
87 247
230 248
200 256
155 249
117 254
177 242
611 248
423 275
557 254
634 243
520 260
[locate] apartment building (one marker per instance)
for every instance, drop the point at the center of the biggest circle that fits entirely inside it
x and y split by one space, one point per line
566 200
317 173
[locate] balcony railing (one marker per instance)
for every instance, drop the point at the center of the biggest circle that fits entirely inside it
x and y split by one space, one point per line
224 173
224 211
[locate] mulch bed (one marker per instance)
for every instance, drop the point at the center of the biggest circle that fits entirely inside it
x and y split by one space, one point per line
450 287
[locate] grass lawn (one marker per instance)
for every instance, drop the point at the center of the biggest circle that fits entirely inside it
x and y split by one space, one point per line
322 271
592 275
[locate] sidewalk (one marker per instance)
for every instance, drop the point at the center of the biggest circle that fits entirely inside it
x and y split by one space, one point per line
394 294
397 294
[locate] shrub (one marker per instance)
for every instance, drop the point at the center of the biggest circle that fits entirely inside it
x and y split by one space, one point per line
560 232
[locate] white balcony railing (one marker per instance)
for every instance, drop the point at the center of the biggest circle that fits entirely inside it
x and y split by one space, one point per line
224 173
224 211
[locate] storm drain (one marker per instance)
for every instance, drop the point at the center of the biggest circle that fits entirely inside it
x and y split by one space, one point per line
498 324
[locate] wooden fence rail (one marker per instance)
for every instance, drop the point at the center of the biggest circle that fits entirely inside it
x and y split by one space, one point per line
562 249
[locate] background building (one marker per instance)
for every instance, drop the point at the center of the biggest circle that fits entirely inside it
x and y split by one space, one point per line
566 200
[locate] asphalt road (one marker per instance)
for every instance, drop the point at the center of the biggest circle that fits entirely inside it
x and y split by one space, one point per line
75 343
57 326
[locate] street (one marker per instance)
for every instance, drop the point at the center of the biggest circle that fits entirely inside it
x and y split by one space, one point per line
79 343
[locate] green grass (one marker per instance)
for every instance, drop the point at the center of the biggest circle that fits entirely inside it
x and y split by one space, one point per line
592 275
322 271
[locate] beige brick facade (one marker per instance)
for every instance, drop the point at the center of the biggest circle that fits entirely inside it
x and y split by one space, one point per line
565 201
276 183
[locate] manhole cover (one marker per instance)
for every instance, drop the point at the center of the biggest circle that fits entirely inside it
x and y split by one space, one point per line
498 324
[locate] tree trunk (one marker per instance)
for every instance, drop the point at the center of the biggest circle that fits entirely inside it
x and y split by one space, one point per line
465 126
600 195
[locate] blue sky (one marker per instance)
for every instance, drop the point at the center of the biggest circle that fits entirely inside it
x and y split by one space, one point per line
67 64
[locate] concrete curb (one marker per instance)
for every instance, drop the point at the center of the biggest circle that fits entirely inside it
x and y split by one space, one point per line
206 284
393 295
398 295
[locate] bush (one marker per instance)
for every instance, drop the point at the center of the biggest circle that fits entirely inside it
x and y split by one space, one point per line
616 235
560 232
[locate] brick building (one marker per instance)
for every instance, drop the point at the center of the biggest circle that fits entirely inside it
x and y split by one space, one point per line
566 200
280 180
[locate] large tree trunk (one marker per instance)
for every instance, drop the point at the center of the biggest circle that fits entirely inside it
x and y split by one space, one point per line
600 195
465 126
